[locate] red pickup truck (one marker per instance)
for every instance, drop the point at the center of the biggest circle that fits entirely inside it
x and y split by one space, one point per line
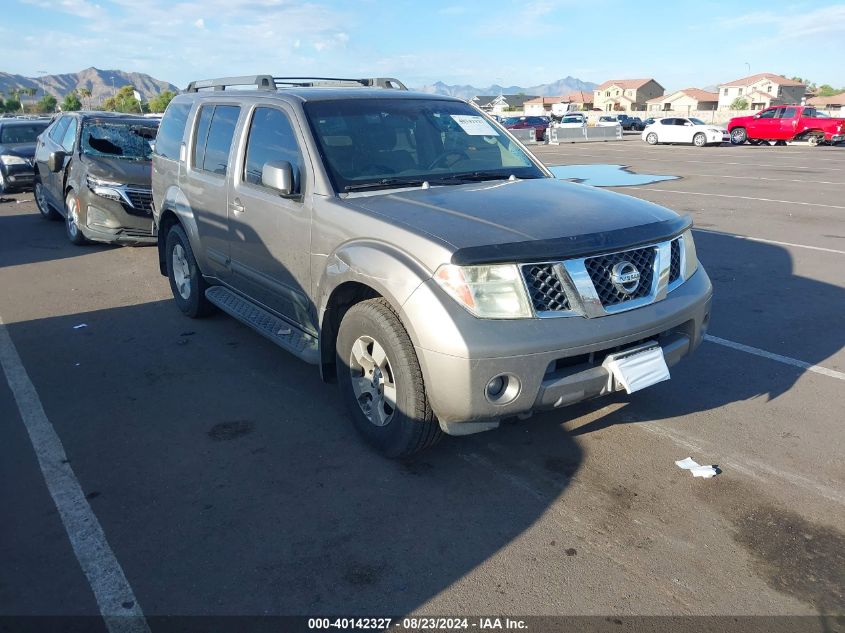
787 123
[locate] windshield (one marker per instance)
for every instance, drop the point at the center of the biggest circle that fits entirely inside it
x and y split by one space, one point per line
697 121
572 119
510 120
130 140
10 134
380 143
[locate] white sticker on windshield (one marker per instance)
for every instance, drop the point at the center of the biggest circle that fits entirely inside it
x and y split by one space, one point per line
474 125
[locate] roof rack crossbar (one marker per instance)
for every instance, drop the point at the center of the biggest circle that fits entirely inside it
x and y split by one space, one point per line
339 82
262 82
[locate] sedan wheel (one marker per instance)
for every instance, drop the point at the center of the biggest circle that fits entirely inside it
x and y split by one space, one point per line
699 140
44 207
74 233
651 138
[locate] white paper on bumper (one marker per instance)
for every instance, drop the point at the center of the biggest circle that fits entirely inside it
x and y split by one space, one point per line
635 371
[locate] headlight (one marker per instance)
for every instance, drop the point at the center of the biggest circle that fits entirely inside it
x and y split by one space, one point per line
10 159
489 292
690 256
105 188
714 131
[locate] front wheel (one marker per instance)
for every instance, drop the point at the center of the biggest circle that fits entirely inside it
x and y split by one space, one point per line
74 233
186 280
651 138
699 140
4 185
381 381
738 136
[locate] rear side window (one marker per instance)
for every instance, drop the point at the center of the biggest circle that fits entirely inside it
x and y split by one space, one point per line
787 113
58 131
70 136
171 130
215 129
271 138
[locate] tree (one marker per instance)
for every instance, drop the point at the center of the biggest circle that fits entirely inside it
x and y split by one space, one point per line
85 93
71 102
739 104
47 103
159 103
16 99
123 101
826 90
13 104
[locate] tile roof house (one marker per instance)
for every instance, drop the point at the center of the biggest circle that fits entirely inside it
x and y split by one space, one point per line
761 91
544 105
626 94
834 103
684 101
500 103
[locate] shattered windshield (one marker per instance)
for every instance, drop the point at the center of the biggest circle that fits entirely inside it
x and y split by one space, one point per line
119 139
383 143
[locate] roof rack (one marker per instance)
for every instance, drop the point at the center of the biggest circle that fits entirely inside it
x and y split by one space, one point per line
268 82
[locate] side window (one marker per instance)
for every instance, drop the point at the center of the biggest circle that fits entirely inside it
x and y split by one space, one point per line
170 132
769 114
58 131
215 130
787 113
271 137
69 138
809 112
667 121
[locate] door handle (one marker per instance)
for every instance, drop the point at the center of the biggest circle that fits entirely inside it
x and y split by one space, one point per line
237 207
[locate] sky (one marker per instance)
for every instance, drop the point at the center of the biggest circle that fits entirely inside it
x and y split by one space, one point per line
507 42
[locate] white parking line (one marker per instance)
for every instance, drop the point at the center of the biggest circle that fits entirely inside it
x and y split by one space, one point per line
809 182
118 604
747 165
760 239
725 195
786 360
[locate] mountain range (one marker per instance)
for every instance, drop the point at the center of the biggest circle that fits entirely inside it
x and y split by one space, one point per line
101 83
559 87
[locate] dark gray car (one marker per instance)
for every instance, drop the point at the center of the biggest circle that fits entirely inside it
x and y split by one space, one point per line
417 253
93 169
17 151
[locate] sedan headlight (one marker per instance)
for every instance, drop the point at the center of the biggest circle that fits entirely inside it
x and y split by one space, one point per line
11 159
489 292
690 256
105 188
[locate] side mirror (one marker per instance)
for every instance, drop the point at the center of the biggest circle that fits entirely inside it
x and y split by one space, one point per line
278 175
56 161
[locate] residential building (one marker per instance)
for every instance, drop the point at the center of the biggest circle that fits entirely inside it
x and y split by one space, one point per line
684 101
545 105
761 91
621 95
497 104
835 103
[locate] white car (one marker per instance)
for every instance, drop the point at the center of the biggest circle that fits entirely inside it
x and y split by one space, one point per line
572 121
685 130
607 121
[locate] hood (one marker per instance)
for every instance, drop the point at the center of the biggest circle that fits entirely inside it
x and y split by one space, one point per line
25 150
129 172
517 214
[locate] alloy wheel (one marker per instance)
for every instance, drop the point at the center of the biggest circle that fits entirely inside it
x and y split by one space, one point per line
181 272
373 382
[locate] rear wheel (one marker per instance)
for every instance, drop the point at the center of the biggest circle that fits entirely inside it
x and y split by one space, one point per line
738 135
814 140
699 140
74 233
44 207
381 381
186 280
651 138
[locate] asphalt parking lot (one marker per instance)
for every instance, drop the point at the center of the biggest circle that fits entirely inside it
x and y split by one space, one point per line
228 481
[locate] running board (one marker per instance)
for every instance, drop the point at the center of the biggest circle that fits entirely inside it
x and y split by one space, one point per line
272 327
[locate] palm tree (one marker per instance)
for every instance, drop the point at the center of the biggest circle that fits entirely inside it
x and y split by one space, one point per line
85 93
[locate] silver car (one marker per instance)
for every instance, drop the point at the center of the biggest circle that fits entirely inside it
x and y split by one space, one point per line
417 253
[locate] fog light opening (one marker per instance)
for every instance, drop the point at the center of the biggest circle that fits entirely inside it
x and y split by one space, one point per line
502 389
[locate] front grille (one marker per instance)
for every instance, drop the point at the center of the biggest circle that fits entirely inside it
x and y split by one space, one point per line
547 294
142 200
675 265
599 269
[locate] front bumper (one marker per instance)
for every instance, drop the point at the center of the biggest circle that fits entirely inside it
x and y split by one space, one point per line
112 222
20 176
556 361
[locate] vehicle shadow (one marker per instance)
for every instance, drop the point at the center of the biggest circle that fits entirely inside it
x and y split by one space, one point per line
27 238
758 301
229 480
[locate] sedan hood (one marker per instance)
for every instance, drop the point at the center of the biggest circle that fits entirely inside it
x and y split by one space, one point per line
498 219
128 172
24 150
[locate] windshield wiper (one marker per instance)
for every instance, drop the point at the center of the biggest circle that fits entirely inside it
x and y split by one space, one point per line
478 176
385 183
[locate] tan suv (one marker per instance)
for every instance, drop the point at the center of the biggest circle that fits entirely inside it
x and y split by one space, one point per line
417 253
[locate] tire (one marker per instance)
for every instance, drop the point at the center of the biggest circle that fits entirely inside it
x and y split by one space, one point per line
699 140
372 342
47 212
651 138
738 136
74 233
813 141
186 280
4 186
